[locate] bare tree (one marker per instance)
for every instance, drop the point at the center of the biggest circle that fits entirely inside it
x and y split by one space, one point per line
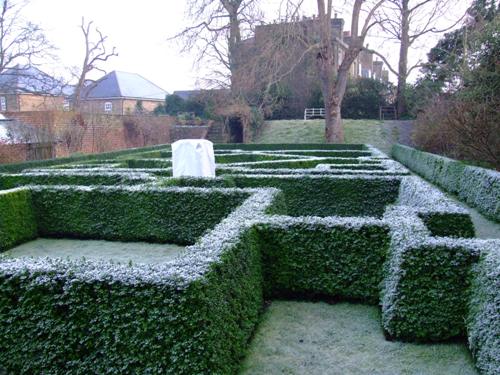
334 81
23 47
21 41
407 21
95 54
218 28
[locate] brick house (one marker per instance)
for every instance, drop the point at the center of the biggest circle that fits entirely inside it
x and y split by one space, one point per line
27 88
122 93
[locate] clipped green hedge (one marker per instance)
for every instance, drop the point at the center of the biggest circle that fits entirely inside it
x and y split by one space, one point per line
68 322
310 164
241 158
476 186
426 292
324 260
483 321
288 146
329 196
17 219
449 225
9 181
150 214
202 182
148 163
18 167
336 154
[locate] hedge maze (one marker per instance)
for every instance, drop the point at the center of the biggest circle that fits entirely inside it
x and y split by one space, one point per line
278 221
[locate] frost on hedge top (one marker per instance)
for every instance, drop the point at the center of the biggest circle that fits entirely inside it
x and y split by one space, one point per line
190 266
138 213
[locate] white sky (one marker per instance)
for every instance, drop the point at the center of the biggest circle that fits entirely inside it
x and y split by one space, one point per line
139 30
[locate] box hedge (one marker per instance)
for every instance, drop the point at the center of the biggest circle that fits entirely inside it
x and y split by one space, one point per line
288 146
174 215
329 196
192 315
148 163
483 320
426 281
336 258
242 157
476 186
312 163
442 216
72 177
17 219
18 167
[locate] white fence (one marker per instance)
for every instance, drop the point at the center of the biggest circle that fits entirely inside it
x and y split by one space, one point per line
310 113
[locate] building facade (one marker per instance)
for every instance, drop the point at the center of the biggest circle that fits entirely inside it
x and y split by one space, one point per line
122 93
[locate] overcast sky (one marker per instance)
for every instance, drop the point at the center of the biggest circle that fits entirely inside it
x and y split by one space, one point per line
139 30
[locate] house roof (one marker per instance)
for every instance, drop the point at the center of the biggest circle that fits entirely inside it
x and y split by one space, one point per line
29 79
123 85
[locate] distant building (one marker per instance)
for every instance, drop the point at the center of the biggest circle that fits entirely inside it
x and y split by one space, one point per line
122 93
27 88
301 80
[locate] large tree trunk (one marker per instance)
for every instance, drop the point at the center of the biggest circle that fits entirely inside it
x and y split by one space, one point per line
403 59
334 131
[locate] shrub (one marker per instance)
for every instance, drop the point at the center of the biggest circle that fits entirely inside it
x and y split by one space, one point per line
476 186
483 320
130 214
424 293
72 177
336 258
465 129
17 220
284 146
17 167
192 315
329 196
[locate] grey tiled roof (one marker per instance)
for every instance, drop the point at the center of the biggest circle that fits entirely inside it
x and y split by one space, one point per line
123 85
29 79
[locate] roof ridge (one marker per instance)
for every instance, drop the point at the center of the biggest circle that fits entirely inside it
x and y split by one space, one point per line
117 82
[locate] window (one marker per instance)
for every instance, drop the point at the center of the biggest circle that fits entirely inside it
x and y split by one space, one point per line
66 105
3 103
108 107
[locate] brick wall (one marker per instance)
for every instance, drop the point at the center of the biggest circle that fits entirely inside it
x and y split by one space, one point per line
188 132
13 153
119 106
93 133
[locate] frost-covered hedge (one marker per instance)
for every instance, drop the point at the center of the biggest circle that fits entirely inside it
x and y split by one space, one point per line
73 177
148 163
442 216
476 186
426 282
193 315
288 146
312 163
17 220
329 196
332 257
177 215
18 167
247 157
483 321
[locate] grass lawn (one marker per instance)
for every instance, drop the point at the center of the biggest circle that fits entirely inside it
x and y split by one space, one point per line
313 131
118 252
344 339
